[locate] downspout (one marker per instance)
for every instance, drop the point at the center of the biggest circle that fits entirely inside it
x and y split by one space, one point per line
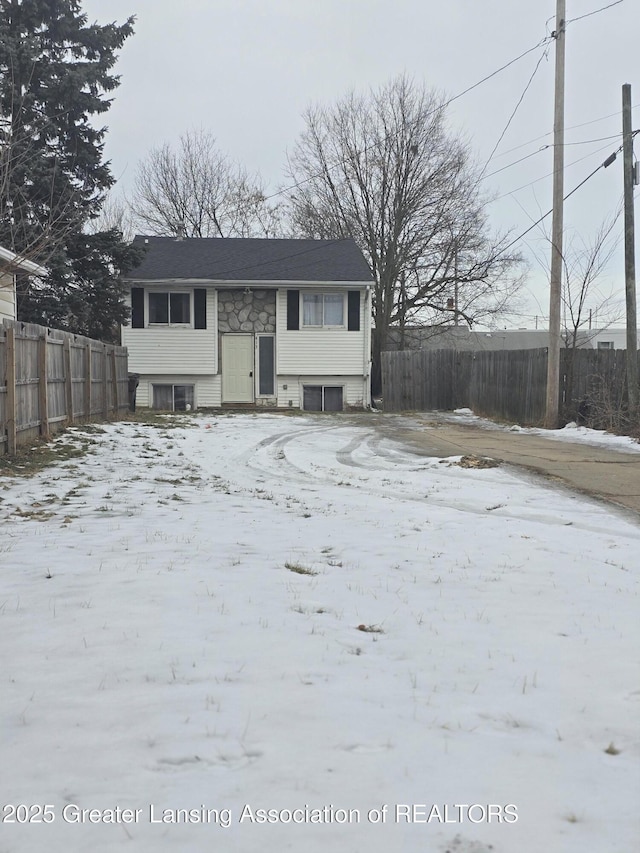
367 347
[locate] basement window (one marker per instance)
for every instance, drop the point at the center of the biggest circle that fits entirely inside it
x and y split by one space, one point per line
322 398
173 398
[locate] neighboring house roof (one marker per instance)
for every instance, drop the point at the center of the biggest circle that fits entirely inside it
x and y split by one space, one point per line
250 259
463 338
18 264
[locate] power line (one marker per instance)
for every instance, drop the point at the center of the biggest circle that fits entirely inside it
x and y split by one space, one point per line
513 242
440 107
549 174
595 12
502 68
544 41
506 248
515 163
602 165
544 216
541 43
515 110
573 127
589 141
546 148
587 15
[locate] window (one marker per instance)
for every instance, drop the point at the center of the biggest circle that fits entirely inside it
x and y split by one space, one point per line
322 398
322 309
170 308
605 345
173 398
266 363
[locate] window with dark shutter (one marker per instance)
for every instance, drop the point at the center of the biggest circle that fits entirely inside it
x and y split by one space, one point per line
137 308
200 308
293 310
353 311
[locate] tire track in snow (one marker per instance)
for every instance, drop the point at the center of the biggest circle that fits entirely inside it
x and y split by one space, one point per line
366 452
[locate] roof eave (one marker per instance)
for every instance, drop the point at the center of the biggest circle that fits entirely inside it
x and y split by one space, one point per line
21 264
253 283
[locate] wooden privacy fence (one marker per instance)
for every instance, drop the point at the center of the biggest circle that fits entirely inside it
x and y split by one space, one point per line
50 379
510 385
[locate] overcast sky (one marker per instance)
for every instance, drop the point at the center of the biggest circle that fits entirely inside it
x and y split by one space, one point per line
247 69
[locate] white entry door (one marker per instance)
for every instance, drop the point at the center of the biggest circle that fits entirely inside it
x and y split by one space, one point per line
237 369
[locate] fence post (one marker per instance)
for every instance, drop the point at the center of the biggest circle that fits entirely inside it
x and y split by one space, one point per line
43 381
11 388
68 387
87 382
105 383
114 381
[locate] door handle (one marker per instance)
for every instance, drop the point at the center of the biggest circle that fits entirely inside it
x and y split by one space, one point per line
251 373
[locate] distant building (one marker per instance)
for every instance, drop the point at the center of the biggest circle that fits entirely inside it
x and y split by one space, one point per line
464 339
609 338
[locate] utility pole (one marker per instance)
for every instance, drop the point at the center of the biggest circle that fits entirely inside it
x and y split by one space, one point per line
455 281
555 284
629 253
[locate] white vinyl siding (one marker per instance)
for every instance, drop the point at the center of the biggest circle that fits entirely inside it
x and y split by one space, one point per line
174 350
316 351
171 350
7 297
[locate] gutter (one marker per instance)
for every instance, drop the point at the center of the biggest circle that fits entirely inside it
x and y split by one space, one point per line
19 264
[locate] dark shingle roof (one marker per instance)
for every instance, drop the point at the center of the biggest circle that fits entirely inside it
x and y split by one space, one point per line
238 259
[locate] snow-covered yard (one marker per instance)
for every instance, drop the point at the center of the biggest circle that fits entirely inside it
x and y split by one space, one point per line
260 612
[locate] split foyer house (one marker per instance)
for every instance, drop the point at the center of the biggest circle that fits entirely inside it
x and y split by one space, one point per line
273 322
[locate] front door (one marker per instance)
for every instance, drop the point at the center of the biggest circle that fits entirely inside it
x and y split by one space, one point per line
237 369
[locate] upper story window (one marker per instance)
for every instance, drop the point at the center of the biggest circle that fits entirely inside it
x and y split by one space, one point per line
170 308
323 309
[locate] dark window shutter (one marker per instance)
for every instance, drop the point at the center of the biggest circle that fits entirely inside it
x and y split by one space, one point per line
293 310
200 308
353 312
137 308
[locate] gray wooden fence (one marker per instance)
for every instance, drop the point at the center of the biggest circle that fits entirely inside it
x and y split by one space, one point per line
50 379
508 385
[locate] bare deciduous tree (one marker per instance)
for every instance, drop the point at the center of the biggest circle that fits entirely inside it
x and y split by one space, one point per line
584 265
584 292
589 304
197 190
115 215
35 235
386 170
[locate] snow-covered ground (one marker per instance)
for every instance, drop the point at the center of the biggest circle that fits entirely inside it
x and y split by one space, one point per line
255 612
571 432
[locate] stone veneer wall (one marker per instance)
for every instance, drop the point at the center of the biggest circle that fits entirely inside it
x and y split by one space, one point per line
247 312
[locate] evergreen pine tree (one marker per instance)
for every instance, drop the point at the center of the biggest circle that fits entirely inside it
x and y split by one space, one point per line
55 73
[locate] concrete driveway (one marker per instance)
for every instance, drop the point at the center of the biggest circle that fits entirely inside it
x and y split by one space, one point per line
606 474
